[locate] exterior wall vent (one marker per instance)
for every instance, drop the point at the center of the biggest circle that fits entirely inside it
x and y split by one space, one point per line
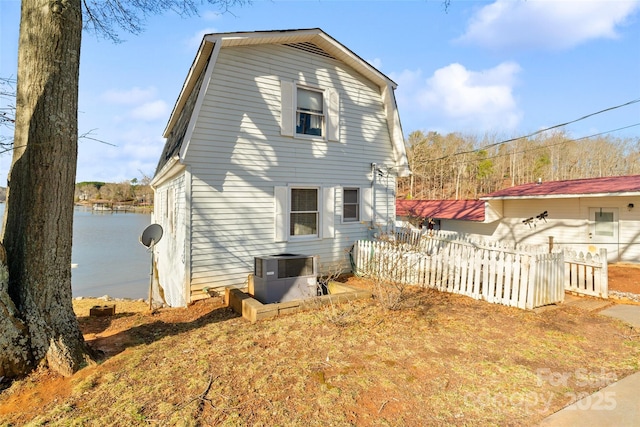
284 277
311 48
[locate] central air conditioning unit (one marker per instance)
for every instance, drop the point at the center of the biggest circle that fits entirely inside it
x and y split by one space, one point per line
285 277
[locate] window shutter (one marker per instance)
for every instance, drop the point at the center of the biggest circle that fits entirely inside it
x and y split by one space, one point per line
287 107
367 204
339 192
281 195
328 212
333 115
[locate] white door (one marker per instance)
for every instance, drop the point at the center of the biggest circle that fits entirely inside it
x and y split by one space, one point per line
603 230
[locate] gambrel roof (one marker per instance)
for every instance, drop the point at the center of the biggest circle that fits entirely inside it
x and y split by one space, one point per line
310 40
587 187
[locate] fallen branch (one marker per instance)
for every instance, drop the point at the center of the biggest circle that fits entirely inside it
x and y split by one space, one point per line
202 398
385 404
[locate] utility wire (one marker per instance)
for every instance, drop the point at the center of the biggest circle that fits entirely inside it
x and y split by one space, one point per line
542 130
564 141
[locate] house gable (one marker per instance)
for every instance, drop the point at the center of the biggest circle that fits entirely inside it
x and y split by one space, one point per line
312 41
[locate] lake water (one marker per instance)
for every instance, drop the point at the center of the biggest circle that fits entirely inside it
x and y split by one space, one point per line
107 255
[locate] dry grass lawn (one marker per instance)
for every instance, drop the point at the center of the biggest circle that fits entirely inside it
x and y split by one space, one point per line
441 360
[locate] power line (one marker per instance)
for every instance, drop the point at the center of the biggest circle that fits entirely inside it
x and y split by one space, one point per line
565 141
544 130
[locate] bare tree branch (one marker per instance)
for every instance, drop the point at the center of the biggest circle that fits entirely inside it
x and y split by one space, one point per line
87 134
106 17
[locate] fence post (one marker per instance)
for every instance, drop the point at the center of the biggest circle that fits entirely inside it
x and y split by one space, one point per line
533 279
604 274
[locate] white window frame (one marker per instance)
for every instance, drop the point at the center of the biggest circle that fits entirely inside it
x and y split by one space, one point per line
358 205
317 213
326 213
289 111
317 114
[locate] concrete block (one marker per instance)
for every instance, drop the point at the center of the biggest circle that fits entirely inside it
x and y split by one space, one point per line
102 310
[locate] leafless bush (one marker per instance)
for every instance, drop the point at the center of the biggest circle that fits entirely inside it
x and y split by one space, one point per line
390 274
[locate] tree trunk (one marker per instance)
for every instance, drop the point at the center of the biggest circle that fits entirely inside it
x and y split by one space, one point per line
38 222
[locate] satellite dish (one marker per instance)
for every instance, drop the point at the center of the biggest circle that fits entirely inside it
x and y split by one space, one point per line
151 235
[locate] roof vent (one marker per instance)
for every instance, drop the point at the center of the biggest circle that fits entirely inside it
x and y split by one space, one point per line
311 48
539 181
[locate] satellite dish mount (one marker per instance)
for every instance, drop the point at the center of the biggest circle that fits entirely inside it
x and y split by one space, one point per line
150 236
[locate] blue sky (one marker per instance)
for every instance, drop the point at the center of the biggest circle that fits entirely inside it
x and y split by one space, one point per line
504 68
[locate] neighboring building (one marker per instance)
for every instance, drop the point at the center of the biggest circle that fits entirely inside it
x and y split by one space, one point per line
583 214
279 142
439 214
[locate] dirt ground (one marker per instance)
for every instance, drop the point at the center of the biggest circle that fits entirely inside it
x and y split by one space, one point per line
133 326
624 278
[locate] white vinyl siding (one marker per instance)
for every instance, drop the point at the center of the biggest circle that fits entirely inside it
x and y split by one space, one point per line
242 162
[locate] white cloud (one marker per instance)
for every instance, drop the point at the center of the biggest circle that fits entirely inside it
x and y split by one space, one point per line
136 150
546 24
134 95
459 99
150 111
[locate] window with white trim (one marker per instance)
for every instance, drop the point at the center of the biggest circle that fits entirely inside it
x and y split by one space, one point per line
309 112
351 204
304 214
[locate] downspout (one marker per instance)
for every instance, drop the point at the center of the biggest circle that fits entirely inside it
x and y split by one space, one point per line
386 198
373 196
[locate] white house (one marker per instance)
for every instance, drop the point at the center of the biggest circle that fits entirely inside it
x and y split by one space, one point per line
279 142
584 214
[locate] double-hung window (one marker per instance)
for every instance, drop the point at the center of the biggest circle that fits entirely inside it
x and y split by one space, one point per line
309 112
351 204
308 212
304 217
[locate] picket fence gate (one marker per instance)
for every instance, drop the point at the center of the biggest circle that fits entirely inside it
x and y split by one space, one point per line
586 274
498 275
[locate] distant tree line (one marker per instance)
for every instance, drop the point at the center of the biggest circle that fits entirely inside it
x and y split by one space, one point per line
132 192
457 166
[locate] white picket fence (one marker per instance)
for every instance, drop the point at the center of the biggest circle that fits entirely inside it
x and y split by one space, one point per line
586 274
497 275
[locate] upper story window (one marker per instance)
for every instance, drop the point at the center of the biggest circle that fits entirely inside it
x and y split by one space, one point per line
309 112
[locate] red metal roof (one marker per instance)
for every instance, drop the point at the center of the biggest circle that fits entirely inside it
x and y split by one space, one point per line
469 210
571 188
